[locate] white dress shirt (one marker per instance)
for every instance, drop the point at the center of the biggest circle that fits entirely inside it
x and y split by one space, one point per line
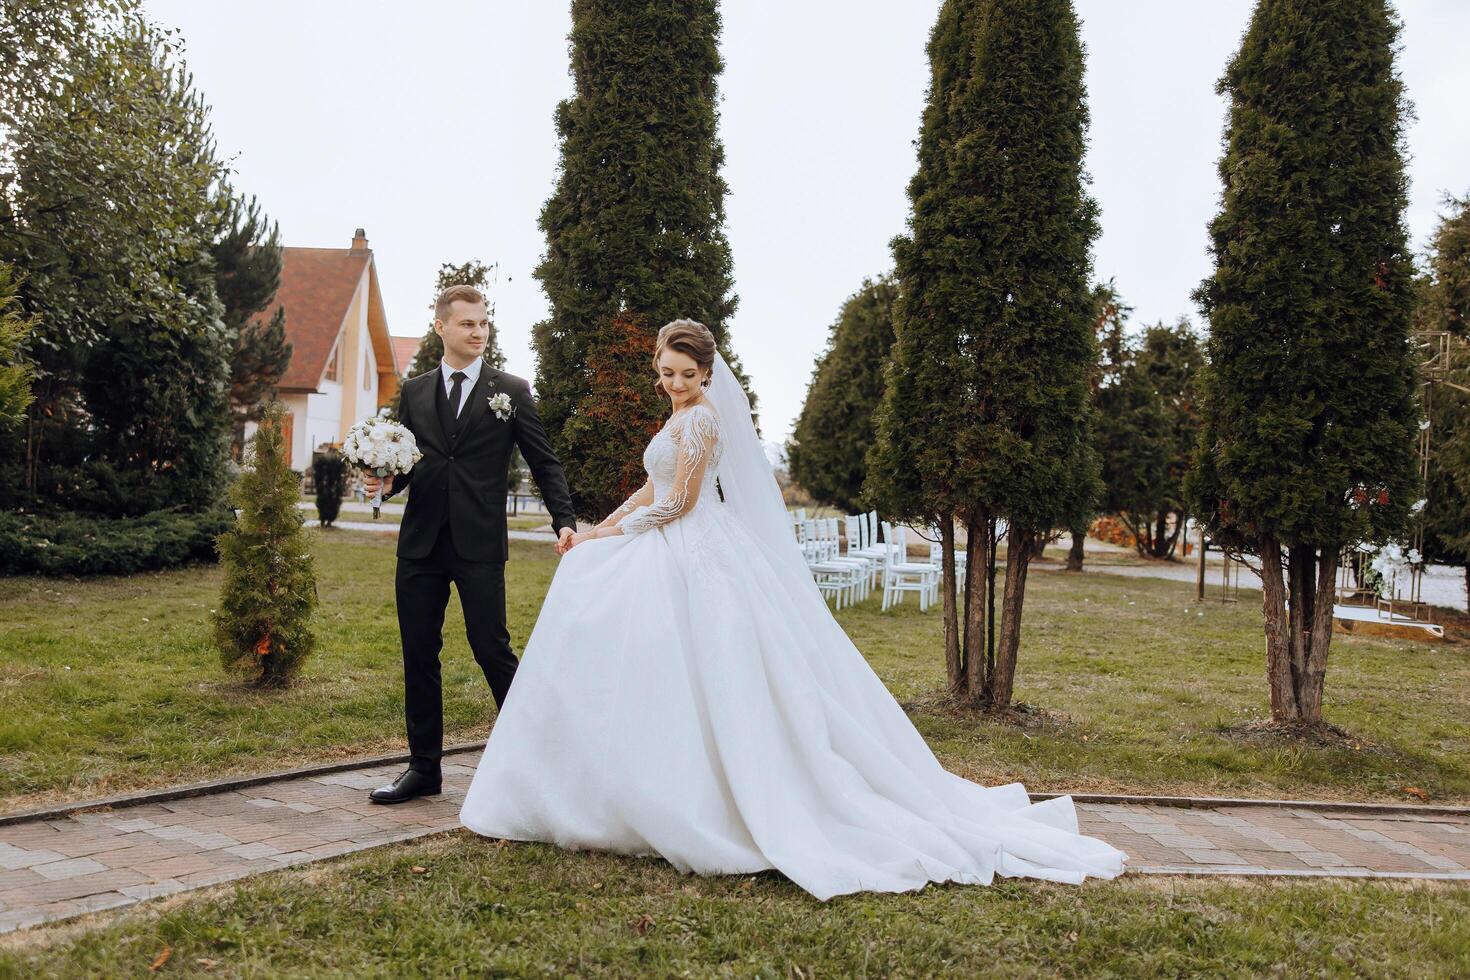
471 375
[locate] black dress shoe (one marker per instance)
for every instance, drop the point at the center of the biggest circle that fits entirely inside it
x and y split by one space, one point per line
411 784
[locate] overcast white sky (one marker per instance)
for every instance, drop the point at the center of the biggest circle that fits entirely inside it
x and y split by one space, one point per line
431 127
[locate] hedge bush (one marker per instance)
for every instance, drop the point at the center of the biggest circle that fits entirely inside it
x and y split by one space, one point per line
78 544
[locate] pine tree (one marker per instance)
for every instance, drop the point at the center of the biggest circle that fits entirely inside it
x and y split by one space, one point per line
987 409
263 626
247 273
1309 407
827 453
635 224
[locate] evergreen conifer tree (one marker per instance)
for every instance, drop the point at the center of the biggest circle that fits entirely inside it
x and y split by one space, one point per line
827 453
635 225
1309 408
986 412
1109 316
263 625
247 274
1443 304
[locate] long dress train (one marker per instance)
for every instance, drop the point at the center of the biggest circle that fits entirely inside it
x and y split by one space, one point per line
678 697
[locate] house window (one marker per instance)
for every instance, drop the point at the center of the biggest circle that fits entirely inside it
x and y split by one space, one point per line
367 373
334 364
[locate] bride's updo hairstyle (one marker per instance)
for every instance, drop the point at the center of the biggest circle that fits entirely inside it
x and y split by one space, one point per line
688 337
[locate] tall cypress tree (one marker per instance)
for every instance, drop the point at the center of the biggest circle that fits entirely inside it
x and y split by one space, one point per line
986 416
828 449
635 225
1309 409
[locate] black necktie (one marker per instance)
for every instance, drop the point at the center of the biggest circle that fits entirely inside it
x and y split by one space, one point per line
458 378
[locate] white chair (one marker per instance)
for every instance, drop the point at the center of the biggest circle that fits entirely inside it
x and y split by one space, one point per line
862 568
869 547
834 576
901 575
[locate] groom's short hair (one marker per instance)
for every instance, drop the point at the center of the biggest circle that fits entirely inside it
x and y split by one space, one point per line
467 294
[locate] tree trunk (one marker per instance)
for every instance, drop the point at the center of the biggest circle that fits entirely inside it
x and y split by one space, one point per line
1278 641
1301 579
975 601
1314 678
1139 530
953 664
1160 532
1018 557
992 545
1076 555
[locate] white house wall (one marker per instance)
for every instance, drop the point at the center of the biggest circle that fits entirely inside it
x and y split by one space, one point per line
323 416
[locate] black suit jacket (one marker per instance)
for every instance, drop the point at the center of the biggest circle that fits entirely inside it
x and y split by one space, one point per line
462 472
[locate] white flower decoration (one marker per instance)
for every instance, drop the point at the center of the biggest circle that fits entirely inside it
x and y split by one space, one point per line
501 406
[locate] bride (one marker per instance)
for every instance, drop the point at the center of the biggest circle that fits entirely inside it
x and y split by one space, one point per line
686 693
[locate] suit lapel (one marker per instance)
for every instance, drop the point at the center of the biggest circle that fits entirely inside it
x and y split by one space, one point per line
479 399
425 406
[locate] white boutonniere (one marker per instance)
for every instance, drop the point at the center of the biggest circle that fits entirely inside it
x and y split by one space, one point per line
501 406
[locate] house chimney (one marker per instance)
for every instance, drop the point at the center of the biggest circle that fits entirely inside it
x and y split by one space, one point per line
359 241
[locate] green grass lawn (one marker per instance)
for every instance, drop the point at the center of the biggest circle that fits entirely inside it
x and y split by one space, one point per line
108 685
475 909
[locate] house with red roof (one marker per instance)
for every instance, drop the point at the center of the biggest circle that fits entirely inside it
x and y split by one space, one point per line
404 349
343 364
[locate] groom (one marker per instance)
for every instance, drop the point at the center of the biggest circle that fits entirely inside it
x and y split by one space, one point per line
466 417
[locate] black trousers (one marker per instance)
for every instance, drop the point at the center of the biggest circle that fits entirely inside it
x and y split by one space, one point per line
422 588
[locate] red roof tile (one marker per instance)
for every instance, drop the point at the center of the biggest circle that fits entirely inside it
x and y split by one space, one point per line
404 348
317 286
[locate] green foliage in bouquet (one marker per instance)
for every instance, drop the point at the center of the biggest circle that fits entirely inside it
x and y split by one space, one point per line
263 626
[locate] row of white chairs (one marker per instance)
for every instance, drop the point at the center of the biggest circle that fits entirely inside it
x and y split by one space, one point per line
849 576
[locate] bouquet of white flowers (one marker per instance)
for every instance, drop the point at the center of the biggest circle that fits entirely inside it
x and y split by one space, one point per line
383 446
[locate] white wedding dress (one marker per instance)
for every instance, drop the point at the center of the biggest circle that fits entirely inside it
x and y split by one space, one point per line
686 693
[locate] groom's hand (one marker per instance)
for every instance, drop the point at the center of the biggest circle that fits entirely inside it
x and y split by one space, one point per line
564 541
371 482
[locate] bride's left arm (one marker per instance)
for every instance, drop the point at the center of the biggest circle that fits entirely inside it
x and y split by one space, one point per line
696 441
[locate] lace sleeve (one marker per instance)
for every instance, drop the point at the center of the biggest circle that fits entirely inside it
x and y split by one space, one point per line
643 495
696 438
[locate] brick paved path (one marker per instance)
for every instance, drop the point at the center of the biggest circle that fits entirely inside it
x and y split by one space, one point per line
89 861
